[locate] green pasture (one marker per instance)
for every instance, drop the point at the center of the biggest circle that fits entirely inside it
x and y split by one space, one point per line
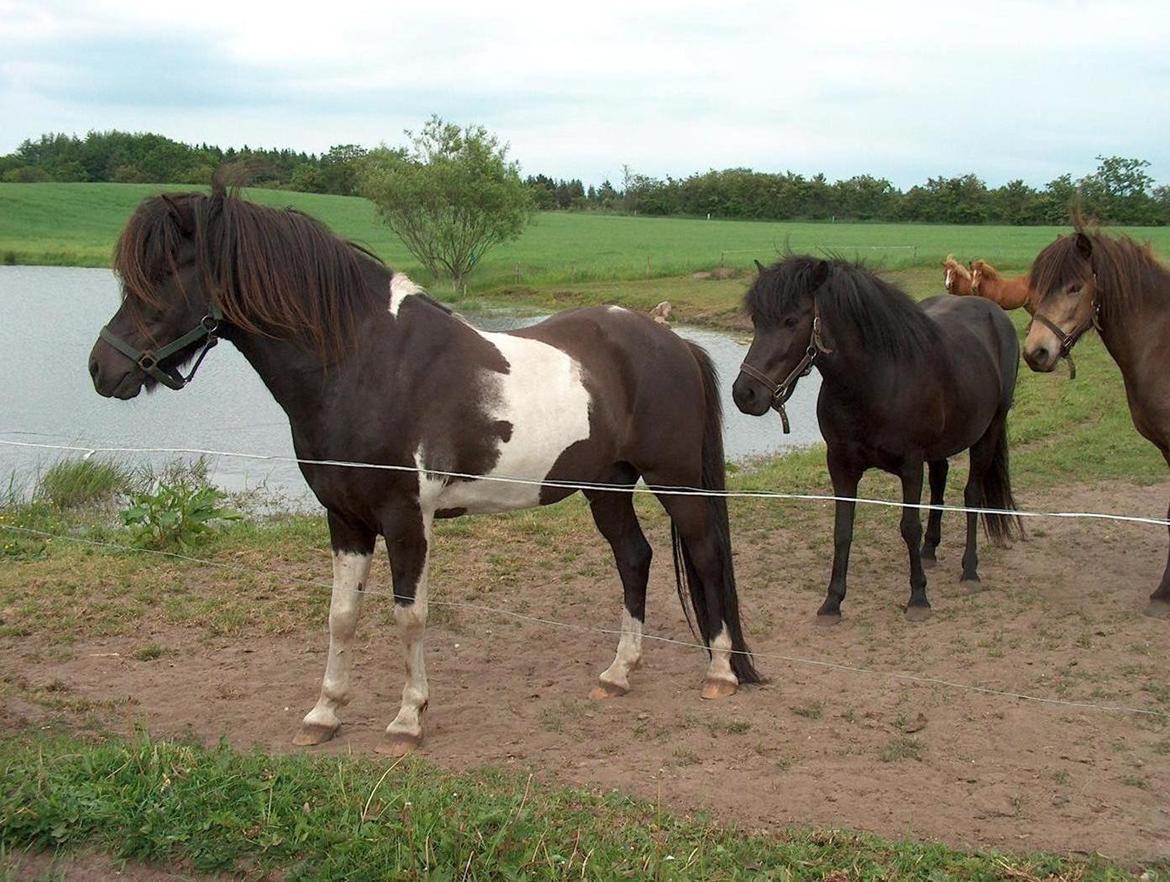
77 224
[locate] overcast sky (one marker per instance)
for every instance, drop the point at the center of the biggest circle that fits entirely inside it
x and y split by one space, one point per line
899 90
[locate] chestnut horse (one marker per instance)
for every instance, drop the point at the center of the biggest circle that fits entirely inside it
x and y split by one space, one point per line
1008 293
370 369
1090 280
956 277
902 384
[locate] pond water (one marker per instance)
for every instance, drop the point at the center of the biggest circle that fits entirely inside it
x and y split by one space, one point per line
51 317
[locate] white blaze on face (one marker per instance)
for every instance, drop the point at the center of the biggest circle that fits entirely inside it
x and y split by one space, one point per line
544 399
947 278
401 287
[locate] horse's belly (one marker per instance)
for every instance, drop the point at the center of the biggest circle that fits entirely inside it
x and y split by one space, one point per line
544 399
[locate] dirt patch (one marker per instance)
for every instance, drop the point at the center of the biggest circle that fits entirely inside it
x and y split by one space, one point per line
1060 617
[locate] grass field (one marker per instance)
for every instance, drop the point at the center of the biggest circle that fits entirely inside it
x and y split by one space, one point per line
76 224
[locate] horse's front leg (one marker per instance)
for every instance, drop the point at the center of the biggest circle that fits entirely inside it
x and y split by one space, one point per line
846 477
408 538
353 550
918 609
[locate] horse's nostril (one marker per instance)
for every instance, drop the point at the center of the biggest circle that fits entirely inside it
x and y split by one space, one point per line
1040 355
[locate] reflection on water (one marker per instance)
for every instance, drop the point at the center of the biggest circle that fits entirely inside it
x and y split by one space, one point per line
51 319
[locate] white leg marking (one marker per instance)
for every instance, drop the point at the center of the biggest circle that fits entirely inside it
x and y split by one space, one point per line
720 667
629 653
412 623
349 571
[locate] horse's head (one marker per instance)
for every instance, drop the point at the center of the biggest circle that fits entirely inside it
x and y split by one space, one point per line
1064 295
956 278
782 308
166 316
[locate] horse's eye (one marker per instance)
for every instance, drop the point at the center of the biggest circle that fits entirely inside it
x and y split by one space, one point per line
1073 288
790 322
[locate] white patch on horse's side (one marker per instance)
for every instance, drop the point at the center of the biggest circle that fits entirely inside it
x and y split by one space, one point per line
411 619
350 570
720 666
617 309
544 399
629 652
401 287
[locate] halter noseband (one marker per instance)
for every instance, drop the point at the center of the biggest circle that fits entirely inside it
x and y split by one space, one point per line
782 391
148 359
1069 340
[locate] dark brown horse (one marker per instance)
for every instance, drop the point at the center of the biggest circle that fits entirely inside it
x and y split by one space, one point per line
902 384
1118 286
371 369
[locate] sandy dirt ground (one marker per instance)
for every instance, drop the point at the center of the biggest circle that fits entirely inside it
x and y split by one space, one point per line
1060 617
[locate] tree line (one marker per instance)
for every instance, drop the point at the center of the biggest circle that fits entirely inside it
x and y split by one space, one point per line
1120 191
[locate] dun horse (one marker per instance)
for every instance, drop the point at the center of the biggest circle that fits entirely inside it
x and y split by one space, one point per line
371 369
956 277
1008 293
902 384
1089 280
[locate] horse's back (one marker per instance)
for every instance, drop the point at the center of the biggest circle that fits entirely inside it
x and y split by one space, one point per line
979 336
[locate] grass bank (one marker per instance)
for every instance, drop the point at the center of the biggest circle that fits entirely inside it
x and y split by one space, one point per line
310 818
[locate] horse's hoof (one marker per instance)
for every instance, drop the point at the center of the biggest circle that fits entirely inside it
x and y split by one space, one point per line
605 690
918 613
314 733
929 563
713 689
828 618
971 586
398 744
1158 609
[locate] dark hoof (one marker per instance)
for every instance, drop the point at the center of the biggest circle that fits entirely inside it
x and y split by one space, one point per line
1158 609
929 563
918 613
398 744
829 618
314 733
971 586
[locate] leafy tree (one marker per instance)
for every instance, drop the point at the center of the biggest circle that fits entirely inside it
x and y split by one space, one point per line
450 197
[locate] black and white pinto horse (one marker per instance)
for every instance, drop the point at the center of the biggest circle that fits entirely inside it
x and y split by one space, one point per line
370 369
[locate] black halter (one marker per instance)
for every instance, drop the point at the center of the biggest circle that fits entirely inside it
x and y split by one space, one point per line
782 391
148 359
1069 340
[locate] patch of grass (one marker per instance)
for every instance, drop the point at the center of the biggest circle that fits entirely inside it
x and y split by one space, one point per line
150 652
811 711
74 483
315 817
902 747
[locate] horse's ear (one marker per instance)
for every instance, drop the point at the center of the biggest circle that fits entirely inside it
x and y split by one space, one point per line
182 214
759 266
1084 246
820 273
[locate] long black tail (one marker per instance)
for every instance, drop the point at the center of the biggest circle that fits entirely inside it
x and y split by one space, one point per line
996 488
686 576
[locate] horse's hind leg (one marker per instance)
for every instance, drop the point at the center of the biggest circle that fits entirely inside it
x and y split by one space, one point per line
1159 605
982 452
918 609
408 537
352 551
938 484
615 518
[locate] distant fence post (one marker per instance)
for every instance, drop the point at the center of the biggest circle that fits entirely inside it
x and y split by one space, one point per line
647 266
517 274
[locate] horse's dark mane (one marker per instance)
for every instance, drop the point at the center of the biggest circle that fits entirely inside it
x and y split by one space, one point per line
1128 273
274 272
887 320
